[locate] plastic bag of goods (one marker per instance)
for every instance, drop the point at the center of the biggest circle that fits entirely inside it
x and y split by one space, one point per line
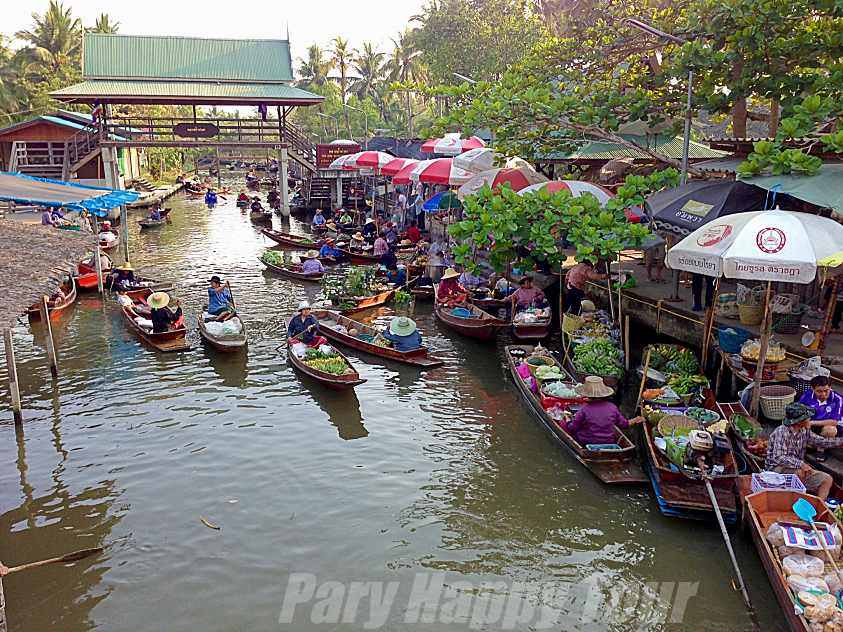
144 322
784 551
775 536
833 581
800 582
215 328
805 565
820 608
327 350
232 327
299 349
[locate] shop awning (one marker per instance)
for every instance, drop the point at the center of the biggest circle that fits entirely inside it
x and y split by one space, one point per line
824 189
23 189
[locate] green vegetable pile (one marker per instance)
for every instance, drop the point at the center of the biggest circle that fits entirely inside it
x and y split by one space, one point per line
401 297
326 363
673 359
550 372
684 384
273 257
598 357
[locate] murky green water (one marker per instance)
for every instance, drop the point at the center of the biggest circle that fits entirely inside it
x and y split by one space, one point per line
415 475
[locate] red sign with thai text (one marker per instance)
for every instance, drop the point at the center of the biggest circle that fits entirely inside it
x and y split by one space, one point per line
327 153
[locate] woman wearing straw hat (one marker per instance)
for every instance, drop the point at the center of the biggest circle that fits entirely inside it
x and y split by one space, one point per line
358 242
370 230
161 317
450 292
403 334
596 422
312 265
123 276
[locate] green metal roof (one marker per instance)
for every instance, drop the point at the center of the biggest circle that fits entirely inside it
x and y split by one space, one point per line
166 57
668 146
174 92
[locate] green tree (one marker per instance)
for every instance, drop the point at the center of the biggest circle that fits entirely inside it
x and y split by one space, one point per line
104 24
404 67
314 70
341 56
55 39
369 66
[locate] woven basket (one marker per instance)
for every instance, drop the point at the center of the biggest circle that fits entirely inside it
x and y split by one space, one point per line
774 399
799 385
787 323
750 314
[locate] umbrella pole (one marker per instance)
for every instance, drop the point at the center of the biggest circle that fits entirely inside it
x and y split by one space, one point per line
709 324
829 314
762 354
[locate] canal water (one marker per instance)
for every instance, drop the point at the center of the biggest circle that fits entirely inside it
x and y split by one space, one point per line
420 478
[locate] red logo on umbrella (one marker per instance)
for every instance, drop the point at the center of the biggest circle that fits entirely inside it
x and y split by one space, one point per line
713 235
770 240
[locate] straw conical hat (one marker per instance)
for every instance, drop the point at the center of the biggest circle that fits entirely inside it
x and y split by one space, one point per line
157 300
594 388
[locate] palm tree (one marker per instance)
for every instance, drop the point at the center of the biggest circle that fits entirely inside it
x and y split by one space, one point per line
341 57
369 66
314 70
104 25
404 67
55 39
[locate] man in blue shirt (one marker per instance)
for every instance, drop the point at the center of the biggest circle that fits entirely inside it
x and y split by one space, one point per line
328 249
403 334
211 199
828 409
220 301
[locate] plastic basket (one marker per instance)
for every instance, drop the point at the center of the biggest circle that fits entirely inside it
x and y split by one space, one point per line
750 314
534 362
774 399
799 385
731 338
461 312
791 483
788 323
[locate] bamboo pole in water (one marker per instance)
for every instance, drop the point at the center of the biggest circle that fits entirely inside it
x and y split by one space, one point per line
14 388
51 347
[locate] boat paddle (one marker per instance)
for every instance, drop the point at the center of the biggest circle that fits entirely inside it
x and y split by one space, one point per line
806 511
64 559
231 294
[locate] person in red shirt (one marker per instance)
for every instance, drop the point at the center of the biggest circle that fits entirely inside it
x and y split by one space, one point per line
413 233
450 292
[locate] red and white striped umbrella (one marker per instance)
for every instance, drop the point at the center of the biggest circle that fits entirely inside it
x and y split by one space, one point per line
576 188
344 162
518 179
397 164
451 145
402 176
372 159
440 171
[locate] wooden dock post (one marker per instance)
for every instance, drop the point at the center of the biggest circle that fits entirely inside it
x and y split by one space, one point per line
626 341
98 268
283 171
14 388
51 347
3 627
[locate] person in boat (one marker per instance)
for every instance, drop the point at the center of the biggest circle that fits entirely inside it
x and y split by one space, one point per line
380 246
273 198
370 230
56 298
220 301
105 227
413 233
358 242
47 218
257 207
596 421
84 221
303 327
473 282
211 199
503 288
318 219
403 334
243 197
450 292
123 276
575 282
786 449
311 264
155 214
251 175
163 319
329 249
396 275
527 296
345 218
390 233
388 259
105 262
828 410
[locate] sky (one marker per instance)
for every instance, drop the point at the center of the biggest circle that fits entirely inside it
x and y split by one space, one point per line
310 21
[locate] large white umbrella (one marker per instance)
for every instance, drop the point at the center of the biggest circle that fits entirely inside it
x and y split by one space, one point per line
477 160
451 145
344 162
495 178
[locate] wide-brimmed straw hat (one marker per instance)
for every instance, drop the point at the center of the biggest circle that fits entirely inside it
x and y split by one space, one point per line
423 244
402 326
594 388
587 306
406 242
369 220
157 300
125 266
450 273
358 236
311 254
303 305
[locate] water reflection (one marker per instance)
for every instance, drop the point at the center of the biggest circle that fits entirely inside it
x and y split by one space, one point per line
343 410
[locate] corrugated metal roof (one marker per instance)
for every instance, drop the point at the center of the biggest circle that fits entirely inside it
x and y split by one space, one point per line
167 57
186 90
668 146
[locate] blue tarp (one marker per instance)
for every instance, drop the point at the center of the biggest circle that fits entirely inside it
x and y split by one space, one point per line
23 189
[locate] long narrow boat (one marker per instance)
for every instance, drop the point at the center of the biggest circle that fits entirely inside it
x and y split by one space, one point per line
261 217
359 258
88 282
108 245
343 382
293 271
537 330
328 320
369 302
289 240
762 510
151 223
226 344
54 311
682 495
479 324
616 466
173 340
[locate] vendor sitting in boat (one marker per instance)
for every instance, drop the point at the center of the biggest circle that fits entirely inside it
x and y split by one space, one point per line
403 334
243 197
155 213
318 219
220 301
273 198
786 449
413 233
473 282
396 275
380 246
123 276
358 243
450 292
345 218
389 259
527 296
311 264
370 230
329 249
163 319
597 421
390 233
303 327
828 410
56 298
256 207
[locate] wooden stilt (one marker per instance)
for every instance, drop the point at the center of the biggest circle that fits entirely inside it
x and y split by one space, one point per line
12 367
709 323
98 269
626 341
51 348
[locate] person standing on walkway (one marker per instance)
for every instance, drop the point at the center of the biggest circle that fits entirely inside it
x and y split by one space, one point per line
575 281
698 281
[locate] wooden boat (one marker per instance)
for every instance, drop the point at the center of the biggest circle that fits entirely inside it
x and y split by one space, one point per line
226 344
368 302
537 330
174 340
683 495
479 325
293 271
289 240
610 466
359 258
335 382
261 216
328 319
423 292
88 281
762 510
152 223
69 288
139 293
108 246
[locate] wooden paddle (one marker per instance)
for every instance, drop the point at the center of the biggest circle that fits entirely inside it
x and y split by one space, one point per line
64 559
233 303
